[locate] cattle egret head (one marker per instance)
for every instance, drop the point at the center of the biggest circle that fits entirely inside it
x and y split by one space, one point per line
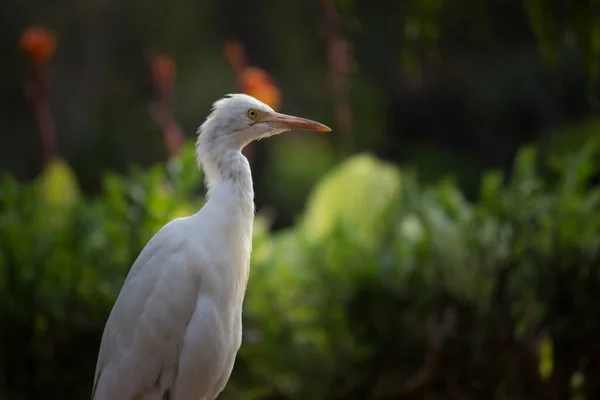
238 119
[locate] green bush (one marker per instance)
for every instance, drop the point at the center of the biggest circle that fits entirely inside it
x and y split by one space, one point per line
384 289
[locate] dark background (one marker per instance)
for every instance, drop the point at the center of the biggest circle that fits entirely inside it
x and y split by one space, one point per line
453 87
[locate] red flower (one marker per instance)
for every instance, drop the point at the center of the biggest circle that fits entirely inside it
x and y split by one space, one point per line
257 83
235 55
163 70
38 44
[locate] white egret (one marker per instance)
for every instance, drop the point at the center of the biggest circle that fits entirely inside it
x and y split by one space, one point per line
176 326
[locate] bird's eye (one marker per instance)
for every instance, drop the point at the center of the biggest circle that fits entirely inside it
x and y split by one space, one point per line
252 114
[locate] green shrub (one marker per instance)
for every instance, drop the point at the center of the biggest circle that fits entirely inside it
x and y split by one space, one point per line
384 289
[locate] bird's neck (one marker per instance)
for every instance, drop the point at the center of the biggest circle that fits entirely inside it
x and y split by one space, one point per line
229 212
228 173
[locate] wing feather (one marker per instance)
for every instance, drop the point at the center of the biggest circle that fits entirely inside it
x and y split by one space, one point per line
145 331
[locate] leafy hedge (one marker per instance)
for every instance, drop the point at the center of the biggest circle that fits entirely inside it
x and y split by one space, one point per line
384 289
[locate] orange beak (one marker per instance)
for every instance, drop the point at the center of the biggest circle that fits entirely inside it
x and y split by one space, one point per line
288 122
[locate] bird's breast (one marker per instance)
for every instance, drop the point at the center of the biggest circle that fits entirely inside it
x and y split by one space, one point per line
225 260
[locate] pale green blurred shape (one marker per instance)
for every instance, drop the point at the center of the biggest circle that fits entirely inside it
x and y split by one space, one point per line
58 184
546 358
356 193
59 189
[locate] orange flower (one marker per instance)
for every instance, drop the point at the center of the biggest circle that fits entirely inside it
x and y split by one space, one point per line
38 44
163 69
257 83
234 52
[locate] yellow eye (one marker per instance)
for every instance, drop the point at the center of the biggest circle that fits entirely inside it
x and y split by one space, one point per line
252 114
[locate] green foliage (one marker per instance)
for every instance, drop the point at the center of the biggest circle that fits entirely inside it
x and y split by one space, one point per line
384 289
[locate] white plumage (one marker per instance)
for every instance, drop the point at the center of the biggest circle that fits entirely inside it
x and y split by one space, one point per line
176 327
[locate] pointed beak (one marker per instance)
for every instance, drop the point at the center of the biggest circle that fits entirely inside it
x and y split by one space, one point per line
288 122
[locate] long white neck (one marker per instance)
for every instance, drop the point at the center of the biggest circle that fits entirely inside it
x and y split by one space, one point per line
228 167
229 212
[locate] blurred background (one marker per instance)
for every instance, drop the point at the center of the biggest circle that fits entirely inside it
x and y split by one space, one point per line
443 242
